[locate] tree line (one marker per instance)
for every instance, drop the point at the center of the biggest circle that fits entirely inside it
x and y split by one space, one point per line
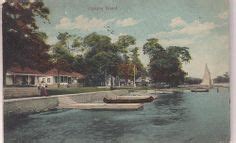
222 78
94 55
97 57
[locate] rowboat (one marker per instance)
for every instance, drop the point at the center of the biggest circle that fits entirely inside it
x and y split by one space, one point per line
200 90
128 99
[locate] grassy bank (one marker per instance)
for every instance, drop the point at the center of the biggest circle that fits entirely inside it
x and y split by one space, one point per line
60 91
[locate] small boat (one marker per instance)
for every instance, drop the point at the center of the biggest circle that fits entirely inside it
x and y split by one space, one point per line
200 90
128 99
206 82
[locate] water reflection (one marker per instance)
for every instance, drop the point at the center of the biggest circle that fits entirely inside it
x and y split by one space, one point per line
107 129
171 105
11 122
169 99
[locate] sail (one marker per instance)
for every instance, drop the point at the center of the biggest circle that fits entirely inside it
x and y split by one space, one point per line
206 81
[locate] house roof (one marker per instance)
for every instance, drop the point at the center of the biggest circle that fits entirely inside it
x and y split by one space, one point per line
77 74
52 72
19 70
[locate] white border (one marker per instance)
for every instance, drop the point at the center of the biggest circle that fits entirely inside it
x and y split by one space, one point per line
232 5
1 78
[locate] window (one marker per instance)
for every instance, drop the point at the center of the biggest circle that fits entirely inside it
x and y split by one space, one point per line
48 80
56 79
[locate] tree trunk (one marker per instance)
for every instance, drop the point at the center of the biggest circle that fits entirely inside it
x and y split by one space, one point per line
111 82
58 79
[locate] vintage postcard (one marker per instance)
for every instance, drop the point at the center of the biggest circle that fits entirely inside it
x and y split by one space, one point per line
116 71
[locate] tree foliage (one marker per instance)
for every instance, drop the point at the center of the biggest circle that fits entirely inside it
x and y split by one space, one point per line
123 42
192 80
103 58
166 63
222 79
61 56
140 70
19 25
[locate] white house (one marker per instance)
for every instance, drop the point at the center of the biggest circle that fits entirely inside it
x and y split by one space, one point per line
29 77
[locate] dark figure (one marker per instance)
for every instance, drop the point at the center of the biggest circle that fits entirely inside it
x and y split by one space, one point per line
43 90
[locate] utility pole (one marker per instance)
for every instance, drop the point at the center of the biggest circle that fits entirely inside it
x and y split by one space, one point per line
134 76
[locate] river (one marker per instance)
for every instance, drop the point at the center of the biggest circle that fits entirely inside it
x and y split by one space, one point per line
172 118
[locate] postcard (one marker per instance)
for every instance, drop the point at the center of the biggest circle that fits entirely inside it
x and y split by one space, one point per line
84 71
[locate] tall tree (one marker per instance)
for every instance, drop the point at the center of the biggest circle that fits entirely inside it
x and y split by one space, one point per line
104 57
19 25
122 45
166 64
78 45
137 62
123 42
64 39
101 58
61 56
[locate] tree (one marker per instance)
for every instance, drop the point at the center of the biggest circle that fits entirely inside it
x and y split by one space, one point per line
61 57
166 64
123 42
79 64
137 62
222 79
192 80
64 39
125 70
78 44
100 59
104 57
19 25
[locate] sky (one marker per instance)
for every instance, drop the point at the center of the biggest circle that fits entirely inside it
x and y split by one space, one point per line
201 25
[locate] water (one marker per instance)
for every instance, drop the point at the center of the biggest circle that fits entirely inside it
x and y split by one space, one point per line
174 118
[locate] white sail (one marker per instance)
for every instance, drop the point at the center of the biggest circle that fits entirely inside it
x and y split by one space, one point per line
206 80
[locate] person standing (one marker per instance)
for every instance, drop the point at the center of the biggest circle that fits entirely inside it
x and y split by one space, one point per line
43 90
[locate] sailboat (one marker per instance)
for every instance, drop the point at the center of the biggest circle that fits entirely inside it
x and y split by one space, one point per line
206 83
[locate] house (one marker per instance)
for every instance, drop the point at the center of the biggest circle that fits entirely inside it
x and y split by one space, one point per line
18 76
143 81
22 76
52 77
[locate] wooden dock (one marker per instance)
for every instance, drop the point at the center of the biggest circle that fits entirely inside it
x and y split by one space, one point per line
130 97
102 106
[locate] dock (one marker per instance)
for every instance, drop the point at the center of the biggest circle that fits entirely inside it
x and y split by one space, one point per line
102 106
130 97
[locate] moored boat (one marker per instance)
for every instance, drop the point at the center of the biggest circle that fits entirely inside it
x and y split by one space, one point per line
200 90
128 99
206 83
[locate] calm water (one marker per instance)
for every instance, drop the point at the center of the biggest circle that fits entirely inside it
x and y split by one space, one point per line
174 118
